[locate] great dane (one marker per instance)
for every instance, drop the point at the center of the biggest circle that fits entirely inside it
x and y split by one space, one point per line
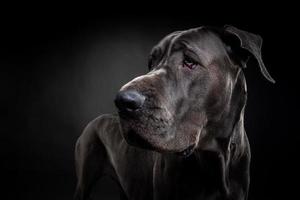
179 132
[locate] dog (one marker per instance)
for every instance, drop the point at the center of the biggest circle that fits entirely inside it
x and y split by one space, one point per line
179 131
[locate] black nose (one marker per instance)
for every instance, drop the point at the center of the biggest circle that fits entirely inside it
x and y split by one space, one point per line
129 100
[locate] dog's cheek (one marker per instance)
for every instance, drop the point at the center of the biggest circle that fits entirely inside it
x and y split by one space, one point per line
218 90
192 123
198 90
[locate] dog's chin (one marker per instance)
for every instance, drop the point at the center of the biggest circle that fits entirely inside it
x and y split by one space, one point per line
134 139
157 143
160 135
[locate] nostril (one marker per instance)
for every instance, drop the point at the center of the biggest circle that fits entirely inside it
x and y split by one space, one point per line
129 100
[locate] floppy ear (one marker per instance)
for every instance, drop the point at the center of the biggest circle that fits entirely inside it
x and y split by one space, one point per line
252 44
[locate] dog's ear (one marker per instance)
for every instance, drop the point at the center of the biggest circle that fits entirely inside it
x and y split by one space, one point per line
242 43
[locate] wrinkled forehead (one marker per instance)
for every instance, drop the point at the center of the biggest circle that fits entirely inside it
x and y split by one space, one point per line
202 41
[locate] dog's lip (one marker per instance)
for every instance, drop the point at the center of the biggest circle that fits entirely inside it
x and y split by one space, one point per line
187 151
136 140
154 107
123 114
128 113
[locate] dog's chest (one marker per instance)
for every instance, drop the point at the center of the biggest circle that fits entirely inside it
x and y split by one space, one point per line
178 179
166 178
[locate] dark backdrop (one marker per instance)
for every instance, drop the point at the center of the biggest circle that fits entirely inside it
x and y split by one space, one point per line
60 70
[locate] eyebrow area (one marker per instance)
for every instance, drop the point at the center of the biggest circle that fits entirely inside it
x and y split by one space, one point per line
182 45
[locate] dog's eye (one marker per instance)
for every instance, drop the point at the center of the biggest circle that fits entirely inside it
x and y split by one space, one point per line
189 62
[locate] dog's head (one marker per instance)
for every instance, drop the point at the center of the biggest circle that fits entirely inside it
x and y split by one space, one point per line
188 90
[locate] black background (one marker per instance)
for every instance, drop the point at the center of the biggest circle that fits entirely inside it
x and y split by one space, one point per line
61 68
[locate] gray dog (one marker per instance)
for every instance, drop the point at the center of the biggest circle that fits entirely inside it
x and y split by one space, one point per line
179 133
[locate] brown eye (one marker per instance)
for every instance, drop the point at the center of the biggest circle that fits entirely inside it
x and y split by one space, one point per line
188 62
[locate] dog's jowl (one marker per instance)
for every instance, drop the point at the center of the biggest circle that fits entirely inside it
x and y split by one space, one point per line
179 132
